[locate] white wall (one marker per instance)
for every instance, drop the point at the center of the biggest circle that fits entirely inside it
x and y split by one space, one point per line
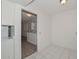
17 32
44 31
64 29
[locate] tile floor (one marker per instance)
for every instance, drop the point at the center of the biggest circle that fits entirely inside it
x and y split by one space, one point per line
54 52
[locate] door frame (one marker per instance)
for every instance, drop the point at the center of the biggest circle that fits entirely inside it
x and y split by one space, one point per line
23 10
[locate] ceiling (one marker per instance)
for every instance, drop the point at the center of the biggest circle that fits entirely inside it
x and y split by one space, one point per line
26 18
21 2
50 6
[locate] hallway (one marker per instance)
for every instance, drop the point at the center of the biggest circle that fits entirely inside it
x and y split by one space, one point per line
27 48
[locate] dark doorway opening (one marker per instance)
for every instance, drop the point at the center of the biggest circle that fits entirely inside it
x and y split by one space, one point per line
28 33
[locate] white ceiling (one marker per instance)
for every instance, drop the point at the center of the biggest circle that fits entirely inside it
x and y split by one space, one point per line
50 6
21 2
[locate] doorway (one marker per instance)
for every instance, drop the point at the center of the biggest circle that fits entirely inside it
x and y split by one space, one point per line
28 33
